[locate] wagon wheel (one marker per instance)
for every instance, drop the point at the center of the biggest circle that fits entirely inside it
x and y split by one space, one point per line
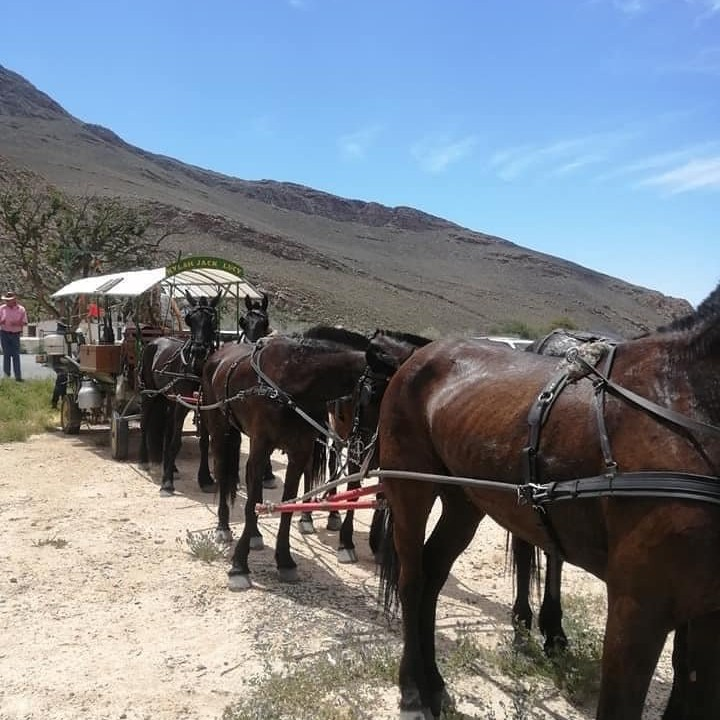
70 415
119 437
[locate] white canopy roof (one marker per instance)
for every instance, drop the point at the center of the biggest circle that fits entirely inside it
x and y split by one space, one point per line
199 276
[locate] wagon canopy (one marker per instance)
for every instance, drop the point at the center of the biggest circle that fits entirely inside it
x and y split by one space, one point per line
198 276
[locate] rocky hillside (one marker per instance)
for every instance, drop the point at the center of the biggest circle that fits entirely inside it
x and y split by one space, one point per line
323 257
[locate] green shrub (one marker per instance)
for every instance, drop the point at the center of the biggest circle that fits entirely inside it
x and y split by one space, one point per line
25 409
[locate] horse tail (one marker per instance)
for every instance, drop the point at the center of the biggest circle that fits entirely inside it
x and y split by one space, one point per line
389 566
534 569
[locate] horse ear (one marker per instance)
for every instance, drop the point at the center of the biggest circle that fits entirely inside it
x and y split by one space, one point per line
190 298
264 301
248 302
216 299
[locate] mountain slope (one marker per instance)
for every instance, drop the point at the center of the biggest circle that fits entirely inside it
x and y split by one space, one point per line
322 257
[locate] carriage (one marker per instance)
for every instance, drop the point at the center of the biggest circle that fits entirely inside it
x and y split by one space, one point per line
100 357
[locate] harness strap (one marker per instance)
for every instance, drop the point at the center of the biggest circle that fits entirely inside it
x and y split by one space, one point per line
599 403
639 401
536 419
643 483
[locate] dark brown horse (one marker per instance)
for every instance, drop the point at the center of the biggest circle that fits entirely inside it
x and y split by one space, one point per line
170 367
255 323
276 392
625 485
355 420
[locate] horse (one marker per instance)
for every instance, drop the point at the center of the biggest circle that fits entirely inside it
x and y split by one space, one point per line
171 367
355 418
255 323
622 480
276 393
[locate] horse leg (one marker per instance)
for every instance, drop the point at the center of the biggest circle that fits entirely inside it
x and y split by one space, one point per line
204 476
239 573
524 561
223 439
269 480
297 463
452 534
403 571
305 523
376 528
173 438
334 523
550 616
634 637
696 663
346 548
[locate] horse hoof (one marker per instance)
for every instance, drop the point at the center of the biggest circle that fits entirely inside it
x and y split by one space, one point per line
346 555
223 537
270 482
208 488
167 491
237 583
256 543
144 466
288 575
334 522
306 527
424 714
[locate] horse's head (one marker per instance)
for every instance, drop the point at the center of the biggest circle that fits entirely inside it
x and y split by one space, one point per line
202 320
255 323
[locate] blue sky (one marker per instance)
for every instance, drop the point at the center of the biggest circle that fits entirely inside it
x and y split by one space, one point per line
587 129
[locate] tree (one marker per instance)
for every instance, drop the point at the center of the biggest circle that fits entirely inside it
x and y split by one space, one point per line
49 239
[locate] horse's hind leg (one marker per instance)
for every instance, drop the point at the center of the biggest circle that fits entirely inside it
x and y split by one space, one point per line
550 615
173 439
524 561
204 477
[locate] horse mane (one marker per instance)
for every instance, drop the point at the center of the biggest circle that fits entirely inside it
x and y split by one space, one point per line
337 335
410 338
707 311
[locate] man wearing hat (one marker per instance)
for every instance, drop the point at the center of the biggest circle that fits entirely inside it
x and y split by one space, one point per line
13 319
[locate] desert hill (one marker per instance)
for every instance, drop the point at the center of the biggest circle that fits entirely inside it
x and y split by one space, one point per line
323 257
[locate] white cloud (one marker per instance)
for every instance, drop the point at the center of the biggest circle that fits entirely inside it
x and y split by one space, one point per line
631 7
661 160
355 145
692 175
436 154
557 158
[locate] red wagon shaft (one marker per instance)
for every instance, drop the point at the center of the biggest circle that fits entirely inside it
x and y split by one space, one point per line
347 500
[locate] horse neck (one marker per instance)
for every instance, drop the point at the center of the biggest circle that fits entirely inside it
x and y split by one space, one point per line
333 375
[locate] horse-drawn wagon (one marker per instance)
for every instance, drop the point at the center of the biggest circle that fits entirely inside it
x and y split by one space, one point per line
100 356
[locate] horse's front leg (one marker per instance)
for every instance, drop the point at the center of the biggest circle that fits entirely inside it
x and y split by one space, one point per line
451 535
634 637
346 548
239 574
297 462
696 665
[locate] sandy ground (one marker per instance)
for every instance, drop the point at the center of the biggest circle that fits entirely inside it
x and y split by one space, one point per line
123 623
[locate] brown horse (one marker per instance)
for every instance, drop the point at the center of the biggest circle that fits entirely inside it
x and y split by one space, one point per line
624 483
276 392
171 367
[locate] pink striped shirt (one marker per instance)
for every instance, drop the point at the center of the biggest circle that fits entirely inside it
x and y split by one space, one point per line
13 317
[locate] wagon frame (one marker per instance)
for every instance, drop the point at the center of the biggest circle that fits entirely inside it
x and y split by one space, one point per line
107 371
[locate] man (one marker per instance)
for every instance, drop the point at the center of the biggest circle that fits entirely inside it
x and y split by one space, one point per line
13 319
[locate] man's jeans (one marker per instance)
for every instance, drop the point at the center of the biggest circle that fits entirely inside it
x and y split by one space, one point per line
11 352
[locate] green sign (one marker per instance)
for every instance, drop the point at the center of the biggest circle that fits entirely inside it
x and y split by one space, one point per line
204 263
